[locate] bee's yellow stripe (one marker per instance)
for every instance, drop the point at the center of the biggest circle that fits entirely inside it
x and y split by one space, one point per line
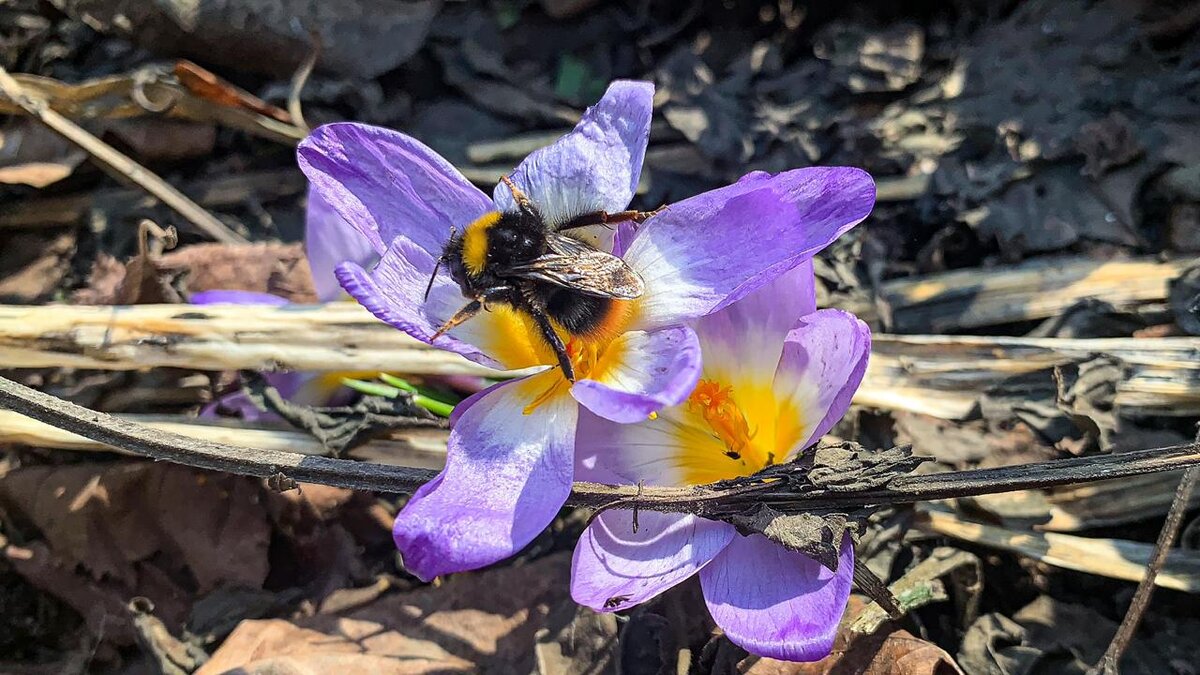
475 244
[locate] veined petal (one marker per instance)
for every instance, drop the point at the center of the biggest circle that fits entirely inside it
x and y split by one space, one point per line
394 290
386 184
595 167
228 297
745 340
703 253
506 476
774 602
824 359
615 568
648 451
641 373
329 241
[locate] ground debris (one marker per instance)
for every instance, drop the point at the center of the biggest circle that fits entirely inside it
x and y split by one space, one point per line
341 428
474 621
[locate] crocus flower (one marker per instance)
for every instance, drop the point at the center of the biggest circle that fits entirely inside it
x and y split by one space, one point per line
510 455
327 242
777 375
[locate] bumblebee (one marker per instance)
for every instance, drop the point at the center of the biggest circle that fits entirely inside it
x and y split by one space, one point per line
520 260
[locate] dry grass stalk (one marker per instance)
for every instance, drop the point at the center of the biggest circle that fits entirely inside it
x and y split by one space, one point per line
419 448
339 336
972 298
1114 558
943 375
929 374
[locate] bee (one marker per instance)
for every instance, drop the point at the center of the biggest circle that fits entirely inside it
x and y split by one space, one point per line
616 601
518 259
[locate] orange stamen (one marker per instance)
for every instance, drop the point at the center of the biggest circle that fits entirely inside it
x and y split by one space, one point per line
716 405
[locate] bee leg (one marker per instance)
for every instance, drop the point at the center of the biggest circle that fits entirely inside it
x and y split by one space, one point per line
521 198
469 310
560 350
605 218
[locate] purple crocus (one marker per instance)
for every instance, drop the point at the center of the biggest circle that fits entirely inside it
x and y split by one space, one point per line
510 457
777 375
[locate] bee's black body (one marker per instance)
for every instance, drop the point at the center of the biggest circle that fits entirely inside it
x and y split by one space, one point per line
516 258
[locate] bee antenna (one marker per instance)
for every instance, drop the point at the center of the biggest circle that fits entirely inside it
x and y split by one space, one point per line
433 276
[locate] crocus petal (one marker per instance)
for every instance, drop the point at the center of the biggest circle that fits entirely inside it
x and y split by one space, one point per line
394 291
641 373
615 568
507 474
823 362
595 167
386 184
228 297
329 241
647 452
745 340
774 602
708 251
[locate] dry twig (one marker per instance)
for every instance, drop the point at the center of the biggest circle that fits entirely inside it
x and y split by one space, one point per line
1109 664
1113 558
107 156
707 501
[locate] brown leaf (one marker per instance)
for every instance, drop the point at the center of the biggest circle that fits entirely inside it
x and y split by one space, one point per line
33 265
207 85
270 267
267 267
117 521
31 154
482 621
98 602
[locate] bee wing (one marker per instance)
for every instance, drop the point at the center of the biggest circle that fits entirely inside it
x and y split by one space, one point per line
582 268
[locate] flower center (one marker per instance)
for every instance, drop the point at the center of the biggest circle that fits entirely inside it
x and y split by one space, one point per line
585 355
716 406
725 432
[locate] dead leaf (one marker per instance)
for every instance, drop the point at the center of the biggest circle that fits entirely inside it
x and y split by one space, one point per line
268 267
896 653
118 521
146 280
576 641
100 603
34 264
314 549
162 140
31 154
271 267
481 621
205 84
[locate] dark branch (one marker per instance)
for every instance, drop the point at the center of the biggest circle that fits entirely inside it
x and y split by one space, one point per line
704 500
1110 663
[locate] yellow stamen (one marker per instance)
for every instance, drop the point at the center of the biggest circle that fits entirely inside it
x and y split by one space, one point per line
585 355
716 405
